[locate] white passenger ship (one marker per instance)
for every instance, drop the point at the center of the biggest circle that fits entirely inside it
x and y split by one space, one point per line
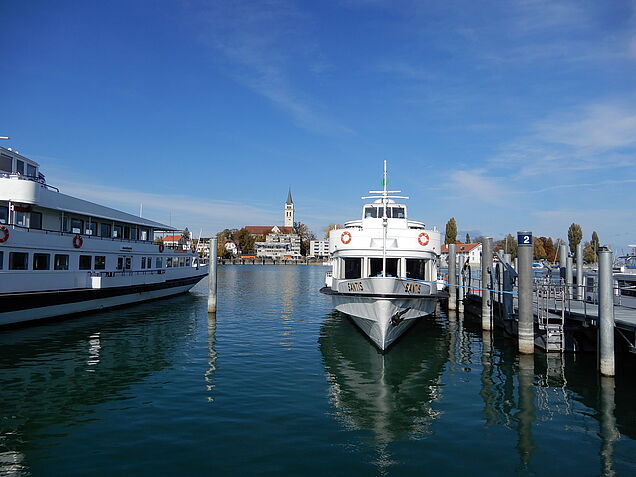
62 255
384 272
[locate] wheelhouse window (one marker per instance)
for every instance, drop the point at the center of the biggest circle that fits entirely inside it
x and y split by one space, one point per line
18 261
143 234
416 268
100 262
375 267
35 221
60 262
396 212
31 171
6 163
352 267
41 261
104 230
85 262
117 231
4 215
91 228
77 226
370 212
19 166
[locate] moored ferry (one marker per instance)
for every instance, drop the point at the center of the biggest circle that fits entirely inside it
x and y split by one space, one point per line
384 272
62 255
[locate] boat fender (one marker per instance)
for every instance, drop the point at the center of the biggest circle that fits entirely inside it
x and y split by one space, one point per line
78 241
345 237
4 233
423 239
161 248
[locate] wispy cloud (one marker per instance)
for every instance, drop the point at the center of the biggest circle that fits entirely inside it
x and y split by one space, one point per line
475 185
266 44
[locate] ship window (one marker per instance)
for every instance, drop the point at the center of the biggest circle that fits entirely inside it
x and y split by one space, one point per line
159 262
182 262
134 232
415 268
371 212
41 261
120 263
19 166
60 262
187 261
31 170
64 224
1 259
375 267
21 219
143 234
127 232
6 163
128 263
169 262
352 267
100 262
149 262
36 220
104 230
143 262
91 228
77 225
85 262
117 229
397 212
4 215
18 261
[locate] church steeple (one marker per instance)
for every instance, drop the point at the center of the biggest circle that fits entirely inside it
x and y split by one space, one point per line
289 210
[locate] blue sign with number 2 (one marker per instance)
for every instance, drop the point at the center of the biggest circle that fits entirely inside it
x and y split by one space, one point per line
524 239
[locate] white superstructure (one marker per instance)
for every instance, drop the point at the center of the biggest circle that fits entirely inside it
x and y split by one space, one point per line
384 268
62 255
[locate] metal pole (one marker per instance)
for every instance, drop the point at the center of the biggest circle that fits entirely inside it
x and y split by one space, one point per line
212 265
569 281
486 270
563 258
606 311
461 290
579 272
526 318
452 276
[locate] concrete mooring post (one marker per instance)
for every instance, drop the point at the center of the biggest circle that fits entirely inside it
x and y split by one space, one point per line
486 270
563 259
606 311
524 272
212 265
579 272
452 277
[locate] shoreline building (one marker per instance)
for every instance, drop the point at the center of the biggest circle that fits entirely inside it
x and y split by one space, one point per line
464 252
319 248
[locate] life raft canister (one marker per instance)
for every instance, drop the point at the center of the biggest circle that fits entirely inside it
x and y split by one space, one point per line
423 239
78 241
345 237
4 234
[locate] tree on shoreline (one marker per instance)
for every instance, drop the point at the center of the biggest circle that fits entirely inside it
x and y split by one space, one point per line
451 231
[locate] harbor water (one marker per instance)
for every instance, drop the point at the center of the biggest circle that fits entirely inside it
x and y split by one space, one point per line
277 384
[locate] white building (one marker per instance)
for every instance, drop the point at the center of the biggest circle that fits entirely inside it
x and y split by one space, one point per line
319 248
470 252
279 246
289 211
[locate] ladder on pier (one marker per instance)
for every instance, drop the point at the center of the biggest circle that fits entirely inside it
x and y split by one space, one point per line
552 296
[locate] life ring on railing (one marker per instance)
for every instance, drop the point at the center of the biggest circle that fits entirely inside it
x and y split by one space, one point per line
424 236
4 234
78 241
345 238
161 247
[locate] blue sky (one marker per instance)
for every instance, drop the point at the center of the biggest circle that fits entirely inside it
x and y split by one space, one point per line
507 115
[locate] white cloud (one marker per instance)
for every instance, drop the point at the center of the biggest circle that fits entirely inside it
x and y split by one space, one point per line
475 186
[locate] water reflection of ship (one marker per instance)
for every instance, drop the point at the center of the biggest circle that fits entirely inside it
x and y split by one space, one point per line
51 375
390 394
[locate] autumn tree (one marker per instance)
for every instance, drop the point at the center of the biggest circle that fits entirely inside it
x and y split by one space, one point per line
331 227
451 231
575 235
507 245
467 238
305 235
244 240
589 254
539 249
595 245
548 246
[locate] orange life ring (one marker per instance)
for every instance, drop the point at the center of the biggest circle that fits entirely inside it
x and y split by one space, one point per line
78 241
423 235
161 247
345 237
5 233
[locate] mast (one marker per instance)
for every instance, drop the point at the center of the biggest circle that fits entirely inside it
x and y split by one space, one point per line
384 222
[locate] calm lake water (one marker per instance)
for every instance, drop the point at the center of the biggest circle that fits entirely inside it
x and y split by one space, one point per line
278 384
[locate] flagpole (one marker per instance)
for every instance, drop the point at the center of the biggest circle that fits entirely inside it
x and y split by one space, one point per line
384 224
